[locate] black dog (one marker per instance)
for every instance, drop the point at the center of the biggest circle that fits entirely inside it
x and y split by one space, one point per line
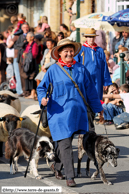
20 142
99 149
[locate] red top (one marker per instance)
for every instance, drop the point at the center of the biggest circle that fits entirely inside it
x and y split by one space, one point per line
34 49
20 22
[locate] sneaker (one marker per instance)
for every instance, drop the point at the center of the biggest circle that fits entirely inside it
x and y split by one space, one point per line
123 126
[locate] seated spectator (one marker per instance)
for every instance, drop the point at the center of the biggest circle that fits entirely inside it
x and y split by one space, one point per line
111 107
45 25
60 36
74 10
46 62
73 34
30 84
116 69
110 62
49 34
71 2
124 42
39 27
122 120
65 30
116 42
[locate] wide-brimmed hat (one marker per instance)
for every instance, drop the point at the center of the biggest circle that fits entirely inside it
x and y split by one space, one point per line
65 42
90 32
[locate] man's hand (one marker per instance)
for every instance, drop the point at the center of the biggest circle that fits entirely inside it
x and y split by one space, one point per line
44 101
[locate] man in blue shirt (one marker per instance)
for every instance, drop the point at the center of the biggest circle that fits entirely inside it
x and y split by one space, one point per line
93 58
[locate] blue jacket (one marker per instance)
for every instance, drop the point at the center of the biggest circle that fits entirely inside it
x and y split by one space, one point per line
66 110
95 62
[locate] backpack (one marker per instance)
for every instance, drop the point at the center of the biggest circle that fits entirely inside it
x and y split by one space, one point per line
28 60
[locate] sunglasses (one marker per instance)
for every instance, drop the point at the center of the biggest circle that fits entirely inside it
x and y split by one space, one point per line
60 36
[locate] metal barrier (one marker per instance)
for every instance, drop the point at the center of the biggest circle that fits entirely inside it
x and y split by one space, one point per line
123 67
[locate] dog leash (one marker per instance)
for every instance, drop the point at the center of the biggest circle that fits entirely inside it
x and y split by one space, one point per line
105 130
49 92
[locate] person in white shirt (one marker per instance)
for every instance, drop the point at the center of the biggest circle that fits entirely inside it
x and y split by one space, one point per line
73 34
121 121
74 10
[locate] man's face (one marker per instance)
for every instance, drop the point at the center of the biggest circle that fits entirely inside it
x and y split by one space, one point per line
90 40
125 34
25 29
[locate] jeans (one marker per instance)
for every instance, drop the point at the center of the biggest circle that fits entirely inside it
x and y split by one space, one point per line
122 118
17 75
110 111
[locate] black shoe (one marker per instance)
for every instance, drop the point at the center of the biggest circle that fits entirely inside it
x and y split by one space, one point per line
58 175
70 182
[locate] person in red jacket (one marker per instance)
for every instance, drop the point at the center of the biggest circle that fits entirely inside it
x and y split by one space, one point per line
30 83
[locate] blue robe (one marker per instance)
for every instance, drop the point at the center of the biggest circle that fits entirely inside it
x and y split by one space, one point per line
95 62
66 110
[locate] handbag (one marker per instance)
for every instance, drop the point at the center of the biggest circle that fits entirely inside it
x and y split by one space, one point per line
28 60
12 83
90 113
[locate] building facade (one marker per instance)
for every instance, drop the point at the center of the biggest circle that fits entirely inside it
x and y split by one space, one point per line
112 5
55 10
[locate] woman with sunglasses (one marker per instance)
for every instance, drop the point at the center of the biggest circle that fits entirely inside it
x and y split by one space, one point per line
60 36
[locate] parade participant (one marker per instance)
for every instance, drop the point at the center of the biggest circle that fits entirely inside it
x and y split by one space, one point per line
66 111
93 58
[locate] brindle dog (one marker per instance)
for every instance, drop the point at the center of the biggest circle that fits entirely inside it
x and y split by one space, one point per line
99 149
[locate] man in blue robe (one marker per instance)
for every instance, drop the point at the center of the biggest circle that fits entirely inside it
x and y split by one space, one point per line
93 58
66 111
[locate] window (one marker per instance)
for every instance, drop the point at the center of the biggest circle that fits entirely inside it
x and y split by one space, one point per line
120 7
93 6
